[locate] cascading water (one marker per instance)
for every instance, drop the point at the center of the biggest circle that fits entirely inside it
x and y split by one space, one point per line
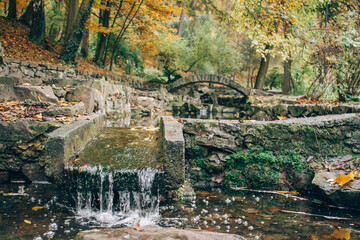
115 181
115 198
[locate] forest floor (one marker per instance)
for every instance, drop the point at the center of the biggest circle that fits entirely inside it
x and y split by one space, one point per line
14 37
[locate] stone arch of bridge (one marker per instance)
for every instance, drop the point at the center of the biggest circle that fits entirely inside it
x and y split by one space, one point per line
204 78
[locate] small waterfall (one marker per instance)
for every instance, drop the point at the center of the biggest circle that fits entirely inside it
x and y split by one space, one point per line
115 198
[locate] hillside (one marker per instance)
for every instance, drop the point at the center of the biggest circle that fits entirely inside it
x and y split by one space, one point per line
15 41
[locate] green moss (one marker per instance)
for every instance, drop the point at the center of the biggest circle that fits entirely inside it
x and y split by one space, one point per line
258 168
39 128
200 162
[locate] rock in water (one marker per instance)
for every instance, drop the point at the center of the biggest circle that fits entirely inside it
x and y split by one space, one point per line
347 195
154 232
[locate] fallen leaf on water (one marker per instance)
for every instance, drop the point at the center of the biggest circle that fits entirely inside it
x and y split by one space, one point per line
274 209
203 193
27 221
83 168
339 234
288 192
37 208
343 179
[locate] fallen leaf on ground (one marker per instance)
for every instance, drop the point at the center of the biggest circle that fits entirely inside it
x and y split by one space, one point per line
343 179
38 116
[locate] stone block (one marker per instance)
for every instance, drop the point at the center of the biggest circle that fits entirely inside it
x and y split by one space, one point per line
40 74
154 232
84 94
63 143
174 152
22 93
61 68
33 65
24 63
78 108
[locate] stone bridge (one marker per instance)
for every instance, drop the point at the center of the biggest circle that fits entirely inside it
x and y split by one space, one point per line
203 78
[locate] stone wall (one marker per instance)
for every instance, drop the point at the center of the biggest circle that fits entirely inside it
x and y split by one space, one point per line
314 139
317 136
273 111
38 73
22 149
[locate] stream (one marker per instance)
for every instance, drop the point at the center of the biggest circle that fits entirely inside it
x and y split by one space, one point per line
116 182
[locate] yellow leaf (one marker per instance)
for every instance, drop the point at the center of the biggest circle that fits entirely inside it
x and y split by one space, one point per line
288 192
343 179
27 221
282 117
341 234
38 116
37 208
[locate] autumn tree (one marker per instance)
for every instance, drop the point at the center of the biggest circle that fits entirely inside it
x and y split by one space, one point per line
205 47
71 46
269 24
37 28
12 9
141 21
72 8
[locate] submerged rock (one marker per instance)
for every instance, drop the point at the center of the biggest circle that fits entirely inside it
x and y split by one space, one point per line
347 195
153 232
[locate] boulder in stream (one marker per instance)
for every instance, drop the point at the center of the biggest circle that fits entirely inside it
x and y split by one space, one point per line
154 232
347 195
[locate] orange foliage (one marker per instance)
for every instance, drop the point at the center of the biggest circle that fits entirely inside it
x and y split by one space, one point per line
343 179
15 41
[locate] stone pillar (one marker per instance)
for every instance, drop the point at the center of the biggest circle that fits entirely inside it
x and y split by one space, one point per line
1 55
174 152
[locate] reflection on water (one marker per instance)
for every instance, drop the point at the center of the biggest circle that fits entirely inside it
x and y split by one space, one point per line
262 216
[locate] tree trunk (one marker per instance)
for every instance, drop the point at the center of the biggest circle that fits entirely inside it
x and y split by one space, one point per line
37 28
12 9
104 21
286 86
85 45
27 16
264 66
72 45
181 23
73 9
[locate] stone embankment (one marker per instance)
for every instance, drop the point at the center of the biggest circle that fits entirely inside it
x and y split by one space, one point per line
37 73
154 232
273 111
316 136
317 140
37 149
